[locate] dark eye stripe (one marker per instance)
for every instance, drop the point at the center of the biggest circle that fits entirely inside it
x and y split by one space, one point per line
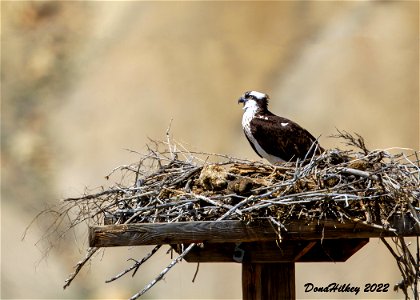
247 95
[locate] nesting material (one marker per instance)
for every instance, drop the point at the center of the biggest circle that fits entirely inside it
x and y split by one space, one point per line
171 184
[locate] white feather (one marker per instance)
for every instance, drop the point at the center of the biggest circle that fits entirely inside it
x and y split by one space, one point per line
257 95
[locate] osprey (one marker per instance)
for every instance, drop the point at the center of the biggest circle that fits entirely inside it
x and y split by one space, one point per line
272 137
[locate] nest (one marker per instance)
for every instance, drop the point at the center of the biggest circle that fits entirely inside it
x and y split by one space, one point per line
171 184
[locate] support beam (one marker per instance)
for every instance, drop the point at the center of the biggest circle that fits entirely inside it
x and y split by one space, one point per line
337 250
274 281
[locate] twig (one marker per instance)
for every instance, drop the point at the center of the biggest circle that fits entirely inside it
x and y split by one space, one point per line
168 140
136 266
79 266
196 272
163 273
358 173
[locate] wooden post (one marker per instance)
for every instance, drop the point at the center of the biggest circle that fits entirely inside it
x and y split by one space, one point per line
274 281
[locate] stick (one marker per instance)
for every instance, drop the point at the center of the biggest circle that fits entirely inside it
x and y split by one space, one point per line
164 271
196 272
356 172
168 139
136 266
79 266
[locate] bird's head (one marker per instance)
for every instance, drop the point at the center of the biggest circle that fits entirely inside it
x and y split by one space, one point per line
255 100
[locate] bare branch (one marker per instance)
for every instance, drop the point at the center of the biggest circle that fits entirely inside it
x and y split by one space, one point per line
136 266
79 266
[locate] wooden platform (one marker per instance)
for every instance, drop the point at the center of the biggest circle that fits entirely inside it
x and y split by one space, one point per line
238 232
267 257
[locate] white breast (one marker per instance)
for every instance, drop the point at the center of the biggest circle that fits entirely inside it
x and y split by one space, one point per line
249 114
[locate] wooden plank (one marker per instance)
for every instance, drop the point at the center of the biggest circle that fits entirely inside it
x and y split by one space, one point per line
274 281
337 250
235 232
178 233
255 252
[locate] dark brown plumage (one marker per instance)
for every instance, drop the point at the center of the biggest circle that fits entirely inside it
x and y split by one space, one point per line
272 137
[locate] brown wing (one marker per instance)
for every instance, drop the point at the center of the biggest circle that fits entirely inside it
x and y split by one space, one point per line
289 142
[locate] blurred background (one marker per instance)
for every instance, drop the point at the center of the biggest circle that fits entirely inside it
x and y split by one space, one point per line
84 80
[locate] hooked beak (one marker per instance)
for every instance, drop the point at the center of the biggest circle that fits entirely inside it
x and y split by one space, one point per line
241 100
